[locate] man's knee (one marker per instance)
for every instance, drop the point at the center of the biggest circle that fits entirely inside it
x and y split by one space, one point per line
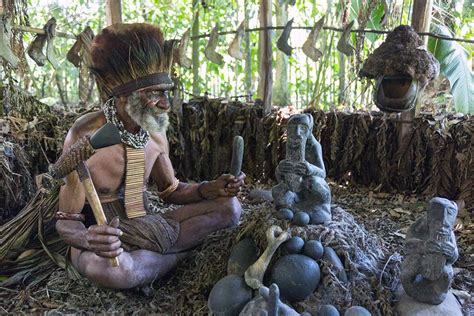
231 209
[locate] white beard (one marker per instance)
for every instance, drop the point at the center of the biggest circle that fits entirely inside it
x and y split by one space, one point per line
150 119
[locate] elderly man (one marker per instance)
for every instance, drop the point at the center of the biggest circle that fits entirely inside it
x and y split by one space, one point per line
131 63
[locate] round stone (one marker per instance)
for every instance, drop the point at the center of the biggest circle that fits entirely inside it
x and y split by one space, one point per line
357 311
293 245
297 276
229 295
331 256
301 219
243 255
284 213
313 249
328 310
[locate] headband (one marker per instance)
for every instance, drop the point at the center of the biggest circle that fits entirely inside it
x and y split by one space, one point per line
160 78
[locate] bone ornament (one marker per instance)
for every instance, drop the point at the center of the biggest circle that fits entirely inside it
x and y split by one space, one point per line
254 274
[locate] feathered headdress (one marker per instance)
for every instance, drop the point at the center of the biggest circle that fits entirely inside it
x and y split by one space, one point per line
128 57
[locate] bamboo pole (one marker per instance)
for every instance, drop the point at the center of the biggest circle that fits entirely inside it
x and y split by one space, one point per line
265 56
113 11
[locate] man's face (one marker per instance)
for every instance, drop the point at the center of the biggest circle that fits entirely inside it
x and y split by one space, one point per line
148 108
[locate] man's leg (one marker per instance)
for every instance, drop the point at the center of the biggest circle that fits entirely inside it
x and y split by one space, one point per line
140 267
136 268
198 220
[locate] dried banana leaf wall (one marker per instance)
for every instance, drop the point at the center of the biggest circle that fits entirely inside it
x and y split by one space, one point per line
359 147
31 136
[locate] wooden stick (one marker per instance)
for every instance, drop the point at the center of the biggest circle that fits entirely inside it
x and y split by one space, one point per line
94 201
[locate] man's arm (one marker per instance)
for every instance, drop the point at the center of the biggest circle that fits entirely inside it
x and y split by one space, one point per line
103 240
162 174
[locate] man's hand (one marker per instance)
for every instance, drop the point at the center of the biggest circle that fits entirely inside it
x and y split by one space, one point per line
225 185
104 240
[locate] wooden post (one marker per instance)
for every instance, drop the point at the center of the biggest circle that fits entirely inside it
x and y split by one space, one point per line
265 56
421 16
113 11
420 21
195 56
248 55
281 96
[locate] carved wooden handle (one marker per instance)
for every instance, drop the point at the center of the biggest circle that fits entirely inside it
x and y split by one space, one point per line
94 200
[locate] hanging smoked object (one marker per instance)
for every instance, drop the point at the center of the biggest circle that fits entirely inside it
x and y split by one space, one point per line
235 48
210 50
309 46
344 45
5 49
50 29
282 42
82 44
183 60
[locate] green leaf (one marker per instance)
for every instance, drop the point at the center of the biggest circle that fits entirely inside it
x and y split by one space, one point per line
453 59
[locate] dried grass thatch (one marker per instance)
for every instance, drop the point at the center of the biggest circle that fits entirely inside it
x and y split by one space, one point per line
359 147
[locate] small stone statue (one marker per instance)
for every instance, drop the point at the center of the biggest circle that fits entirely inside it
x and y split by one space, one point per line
301 185
268 303
430 251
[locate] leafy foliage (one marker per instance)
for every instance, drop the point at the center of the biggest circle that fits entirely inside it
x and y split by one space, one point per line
453 60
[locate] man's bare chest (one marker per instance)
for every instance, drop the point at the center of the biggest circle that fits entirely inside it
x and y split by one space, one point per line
108 169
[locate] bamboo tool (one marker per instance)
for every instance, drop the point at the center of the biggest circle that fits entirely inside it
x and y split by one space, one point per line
237 156
94 201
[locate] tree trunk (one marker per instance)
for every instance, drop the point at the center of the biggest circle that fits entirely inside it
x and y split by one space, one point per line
280 88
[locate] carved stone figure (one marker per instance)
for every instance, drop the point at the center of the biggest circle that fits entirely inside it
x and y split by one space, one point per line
301 185
430 250
268 303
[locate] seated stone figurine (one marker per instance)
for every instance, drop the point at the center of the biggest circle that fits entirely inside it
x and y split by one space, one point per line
301 185
430 251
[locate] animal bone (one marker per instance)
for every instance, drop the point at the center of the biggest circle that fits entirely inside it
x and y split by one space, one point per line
235 48
344 45
210 50
309 46
282 42
183 60
5 48
254 274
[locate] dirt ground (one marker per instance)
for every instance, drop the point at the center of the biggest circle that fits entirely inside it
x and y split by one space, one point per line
386 215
